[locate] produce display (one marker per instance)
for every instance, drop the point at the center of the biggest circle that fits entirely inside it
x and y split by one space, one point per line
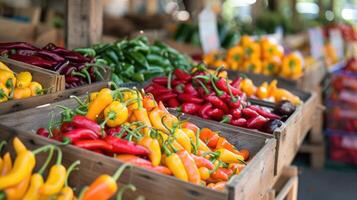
78 69
212 97
268 91
136 60
129 125
17 86
258 56
18 179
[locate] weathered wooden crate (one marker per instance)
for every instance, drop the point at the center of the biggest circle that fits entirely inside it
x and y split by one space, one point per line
286 186
252 183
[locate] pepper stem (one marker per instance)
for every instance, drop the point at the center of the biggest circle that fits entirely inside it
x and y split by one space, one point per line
121 169
233 99
2 144
112 84
218 92
81 194
79 101
203 86
123 189
47 162
169 80
71 168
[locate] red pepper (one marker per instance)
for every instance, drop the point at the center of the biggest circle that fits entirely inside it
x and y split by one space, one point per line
236 113
43 132
67 126
263 112
34 60
94 145
203 112
228 171
189 108
79 134
80 121
190 90
220 175
223 85
179 88
189 98
140 162
236 82
182 75
166 97
150 89
217 102
216 114
160 80
202 162
226 119
191 126
256 122
176 82
161 90
241 122
249 113
173 103
125 147
114 131
234 103
56 134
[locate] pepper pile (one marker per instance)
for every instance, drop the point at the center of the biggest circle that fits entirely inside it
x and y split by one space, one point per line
17 180
17 86
211 97
132 127
260 57
136 60
78 69
268 91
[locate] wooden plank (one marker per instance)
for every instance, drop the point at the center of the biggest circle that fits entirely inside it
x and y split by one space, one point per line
84 22
287 184
148 183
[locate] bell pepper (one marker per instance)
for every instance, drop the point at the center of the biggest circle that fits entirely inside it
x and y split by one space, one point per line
105 186
116 114
4 93
252 51
235 55
292 66
262 91
141 162
3 66
253 66
190 167
154 147
23 79
22 93
271 66
228 156
8 79
36 88
174 163
96 107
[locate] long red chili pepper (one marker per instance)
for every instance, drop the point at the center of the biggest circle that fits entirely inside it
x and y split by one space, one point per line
79 134
83 122
141 162
241 122
125 147
94 145
263 112
66 127
249 113
189 98
216 113
223 85
160 80
256 122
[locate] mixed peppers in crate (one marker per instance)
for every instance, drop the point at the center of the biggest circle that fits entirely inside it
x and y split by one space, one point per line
131 126
17 86
212 96
19 180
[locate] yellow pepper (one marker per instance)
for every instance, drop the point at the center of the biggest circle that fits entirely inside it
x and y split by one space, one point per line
247 86
228 156
282 94
96 107
174 143
157 116
253 66
209 58
245 40
154 148
252 51
141 115
262 91
22 93
92 96
201 145
7 164
182 139
272 87
174 163
235 55
271 66
35 184
4 93
8 79
18 191
220 63
4 67
23 79
36 88
18 145
116 114
292 66
66 194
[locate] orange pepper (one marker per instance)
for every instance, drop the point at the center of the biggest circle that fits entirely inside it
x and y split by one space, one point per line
209 137
262 91
252 51
190 167
248 87
220 186
252 66
235 55
220 63
245 40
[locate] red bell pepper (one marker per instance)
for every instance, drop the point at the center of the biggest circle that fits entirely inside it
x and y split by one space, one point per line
125 147
80 121
79 134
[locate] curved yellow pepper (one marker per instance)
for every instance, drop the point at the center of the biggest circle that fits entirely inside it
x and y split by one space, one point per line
97 106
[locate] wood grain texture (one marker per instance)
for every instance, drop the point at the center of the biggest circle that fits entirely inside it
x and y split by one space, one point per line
84 22
153 186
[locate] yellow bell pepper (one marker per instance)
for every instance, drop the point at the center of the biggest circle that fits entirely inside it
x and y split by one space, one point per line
116 114
292 66
22 93
235 55
253 66
23 79
36 88
4 67
4 93
7 78
245 40
252 51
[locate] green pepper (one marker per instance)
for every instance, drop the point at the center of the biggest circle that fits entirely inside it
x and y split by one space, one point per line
139 58
112 56
138 77
86 51
154 59
116 79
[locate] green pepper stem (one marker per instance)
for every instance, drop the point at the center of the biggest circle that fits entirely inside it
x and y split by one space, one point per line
2 144
218 92
71 168
169 80
123 189
111 83
79 101
121 169
233 99
81 194
47 162
203 86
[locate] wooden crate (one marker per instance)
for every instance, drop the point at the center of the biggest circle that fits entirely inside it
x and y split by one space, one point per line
286 186
252 183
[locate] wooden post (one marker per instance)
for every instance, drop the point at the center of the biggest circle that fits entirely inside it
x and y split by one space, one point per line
84 23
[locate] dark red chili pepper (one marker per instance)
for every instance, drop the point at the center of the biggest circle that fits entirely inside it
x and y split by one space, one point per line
263 112
162 90
188 98
249 113
182 75
43 132
256 122
72 79
241 122
94 145
203 112
176 82
34 60
25 52
166 97
59 66
125 147
17 45
189 89
114 131
217 102
160 80
218 91
236 113
50 55
149 89
70 55
79 134
173 103
223 85
83 122
216 114
189 108
66 127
